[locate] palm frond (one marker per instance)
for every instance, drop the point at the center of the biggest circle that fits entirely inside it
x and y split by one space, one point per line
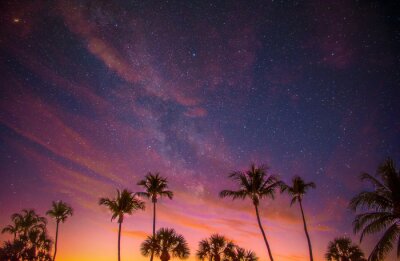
385 244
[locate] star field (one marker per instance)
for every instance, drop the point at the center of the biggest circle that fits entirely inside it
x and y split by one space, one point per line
94 94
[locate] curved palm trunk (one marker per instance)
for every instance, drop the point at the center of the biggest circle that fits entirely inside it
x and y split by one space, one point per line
306 231
263 233
154 227
55 242
119 241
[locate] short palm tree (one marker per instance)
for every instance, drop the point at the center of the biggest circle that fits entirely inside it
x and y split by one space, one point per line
60 211
234 252
297 191
12 250
39 246
164 244
383 203
342 249
30 238
155 187
124 203
214 248
12 229
28 220
254 184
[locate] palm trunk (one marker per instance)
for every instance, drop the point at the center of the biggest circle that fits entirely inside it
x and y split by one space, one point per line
306 231
263 233
165 256
154 227
55 242
119 241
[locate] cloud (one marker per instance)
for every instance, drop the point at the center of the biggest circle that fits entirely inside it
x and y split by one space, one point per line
134 233
195 112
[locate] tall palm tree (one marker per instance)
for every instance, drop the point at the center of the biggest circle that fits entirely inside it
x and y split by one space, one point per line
254 184
124 203
214 248
164 244
297 191
383 203
342 249
155 187
60 211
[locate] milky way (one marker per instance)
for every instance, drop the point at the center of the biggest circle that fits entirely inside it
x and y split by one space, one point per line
94 94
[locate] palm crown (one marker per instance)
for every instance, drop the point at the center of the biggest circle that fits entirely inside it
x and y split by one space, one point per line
240 254
124 203
27 220
298 189
254 184
384 205
60 211
217 248
30 238
214 247
155 186
166 243
342 249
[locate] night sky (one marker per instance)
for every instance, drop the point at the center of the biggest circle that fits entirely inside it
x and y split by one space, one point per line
94 94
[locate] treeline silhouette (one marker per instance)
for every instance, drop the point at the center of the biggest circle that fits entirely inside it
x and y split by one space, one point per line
377 211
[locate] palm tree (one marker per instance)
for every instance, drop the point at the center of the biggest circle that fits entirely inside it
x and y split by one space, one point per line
38 245
383 203
214 248
28 220
240 254
217 248
254 184
12 250
155 187
30 238
124 203
164 244
60 211
342 249
297 191
12 229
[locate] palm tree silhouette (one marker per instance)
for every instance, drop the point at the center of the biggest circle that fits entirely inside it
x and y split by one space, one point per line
342 249
39 245
156 187
297 191
384 205
217 248
60 211
12 229
254 184
237 253
164 244
214 248
28 220
12 250
124 203
30 238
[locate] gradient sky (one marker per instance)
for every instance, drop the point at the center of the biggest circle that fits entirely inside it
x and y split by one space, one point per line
95 94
